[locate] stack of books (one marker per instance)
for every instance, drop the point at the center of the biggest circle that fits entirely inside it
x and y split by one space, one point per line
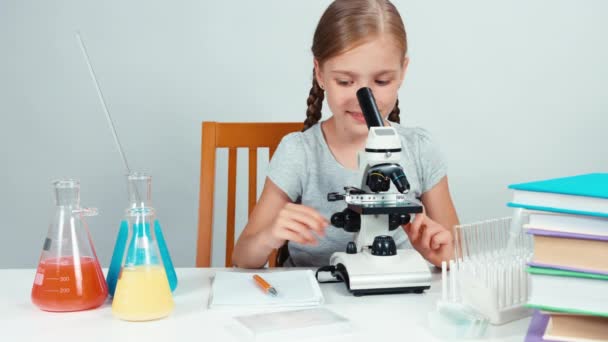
568 218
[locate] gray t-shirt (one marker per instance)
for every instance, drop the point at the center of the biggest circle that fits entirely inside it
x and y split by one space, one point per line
306 170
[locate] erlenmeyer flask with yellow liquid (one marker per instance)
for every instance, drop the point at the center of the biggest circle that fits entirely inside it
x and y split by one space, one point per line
142 290
140 196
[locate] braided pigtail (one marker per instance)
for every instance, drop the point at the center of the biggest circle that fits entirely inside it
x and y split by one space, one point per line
394 115
314 102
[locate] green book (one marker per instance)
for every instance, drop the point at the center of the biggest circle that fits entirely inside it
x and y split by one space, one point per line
568 291
566 273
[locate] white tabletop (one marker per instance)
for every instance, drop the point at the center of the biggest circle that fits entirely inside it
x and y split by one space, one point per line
374 318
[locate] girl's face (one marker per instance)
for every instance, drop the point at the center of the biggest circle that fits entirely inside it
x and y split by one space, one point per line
377 64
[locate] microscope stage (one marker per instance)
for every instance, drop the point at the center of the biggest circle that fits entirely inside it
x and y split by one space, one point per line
386 208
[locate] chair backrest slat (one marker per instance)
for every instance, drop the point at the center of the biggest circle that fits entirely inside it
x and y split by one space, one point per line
205 205
230 205
253 179
232 136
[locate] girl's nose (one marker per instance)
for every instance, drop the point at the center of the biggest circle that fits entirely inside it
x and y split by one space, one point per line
358 86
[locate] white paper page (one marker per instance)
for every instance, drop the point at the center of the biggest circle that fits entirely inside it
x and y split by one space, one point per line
295 288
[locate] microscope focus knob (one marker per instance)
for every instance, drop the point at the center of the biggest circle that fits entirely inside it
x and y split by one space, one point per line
351 248
337 220
396 220
347 219
384 245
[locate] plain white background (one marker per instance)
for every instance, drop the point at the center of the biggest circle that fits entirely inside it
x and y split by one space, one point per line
511 90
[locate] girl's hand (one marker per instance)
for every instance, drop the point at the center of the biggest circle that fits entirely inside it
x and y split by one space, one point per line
295 222
433 241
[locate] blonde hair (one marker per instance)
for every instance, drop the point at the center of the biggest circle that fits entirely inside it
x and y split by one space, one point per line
344 25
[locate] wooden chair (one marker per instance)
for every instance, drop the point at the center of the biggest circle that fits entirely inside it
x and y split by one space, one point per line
232 136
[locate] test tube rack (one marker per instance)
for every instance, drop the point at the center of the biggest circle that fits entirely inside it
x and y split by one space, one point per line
489 270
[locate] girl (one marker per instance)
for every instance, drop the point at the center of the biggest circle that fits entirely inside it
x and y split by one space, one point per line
357 43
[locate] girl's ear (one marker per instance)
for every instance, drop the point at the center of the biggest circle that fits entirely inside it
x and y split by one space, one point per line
318 74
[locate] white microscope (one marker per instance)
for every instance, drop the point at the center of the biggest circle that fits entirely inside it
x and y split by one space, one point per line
372 264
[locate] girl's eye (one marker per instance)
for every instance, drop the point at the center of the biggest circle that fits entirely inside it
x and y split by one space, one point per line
382 82
343 83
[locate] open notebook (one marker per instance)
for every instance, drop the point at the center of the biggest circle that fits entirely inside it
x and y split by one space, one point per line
296 288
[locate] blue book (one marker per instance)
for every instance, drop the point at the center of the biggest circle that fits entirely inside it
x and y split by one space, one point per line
585 194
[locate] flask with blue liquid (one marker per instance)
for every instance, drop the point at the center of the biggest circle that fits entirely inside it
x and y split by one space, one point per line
135 253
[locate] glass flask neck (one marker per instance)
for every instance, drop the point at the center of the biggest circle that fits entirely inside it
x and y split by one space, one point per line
140 190
67 192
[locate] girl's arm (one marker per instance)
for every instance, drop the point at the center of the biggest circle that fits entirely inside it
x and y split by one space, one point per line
274 220
439 206
432 232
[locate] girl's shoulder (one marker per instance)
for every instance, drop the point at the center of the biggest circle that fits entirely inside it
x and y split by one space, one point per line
307 139
301 145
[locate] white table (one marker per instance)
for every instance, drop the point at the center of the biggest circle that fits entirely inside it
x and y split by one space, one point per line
400 317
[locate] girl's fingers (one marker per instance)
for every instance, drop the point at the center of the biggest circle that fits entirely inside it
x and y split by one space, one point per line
441 238
300 229
413 231
428 233
308 211
307 220
289 235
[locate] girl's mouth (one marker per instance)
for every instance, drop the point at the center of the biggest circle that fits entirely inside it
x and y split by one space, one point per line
357 116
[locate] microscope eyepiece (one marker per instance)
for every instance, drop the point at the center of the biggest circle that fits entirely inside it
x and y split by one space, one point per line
372 115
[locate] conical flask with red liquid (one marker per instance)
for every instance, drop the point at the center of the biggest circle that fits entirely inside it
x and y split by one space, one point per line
69 277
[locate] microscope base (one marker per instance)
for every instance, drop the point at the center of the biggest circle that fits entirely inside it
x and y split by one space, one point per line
364 273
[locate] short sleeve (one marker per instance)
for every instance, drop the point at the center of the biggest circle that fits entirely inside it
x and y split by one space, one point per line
432 163
287 166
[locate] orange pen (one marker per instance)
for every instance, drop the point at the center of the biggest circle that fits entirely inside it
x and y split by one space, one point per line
263 284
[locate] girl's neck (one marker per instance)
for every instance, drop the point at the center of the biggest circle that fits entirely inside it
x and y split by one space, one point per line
342 144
